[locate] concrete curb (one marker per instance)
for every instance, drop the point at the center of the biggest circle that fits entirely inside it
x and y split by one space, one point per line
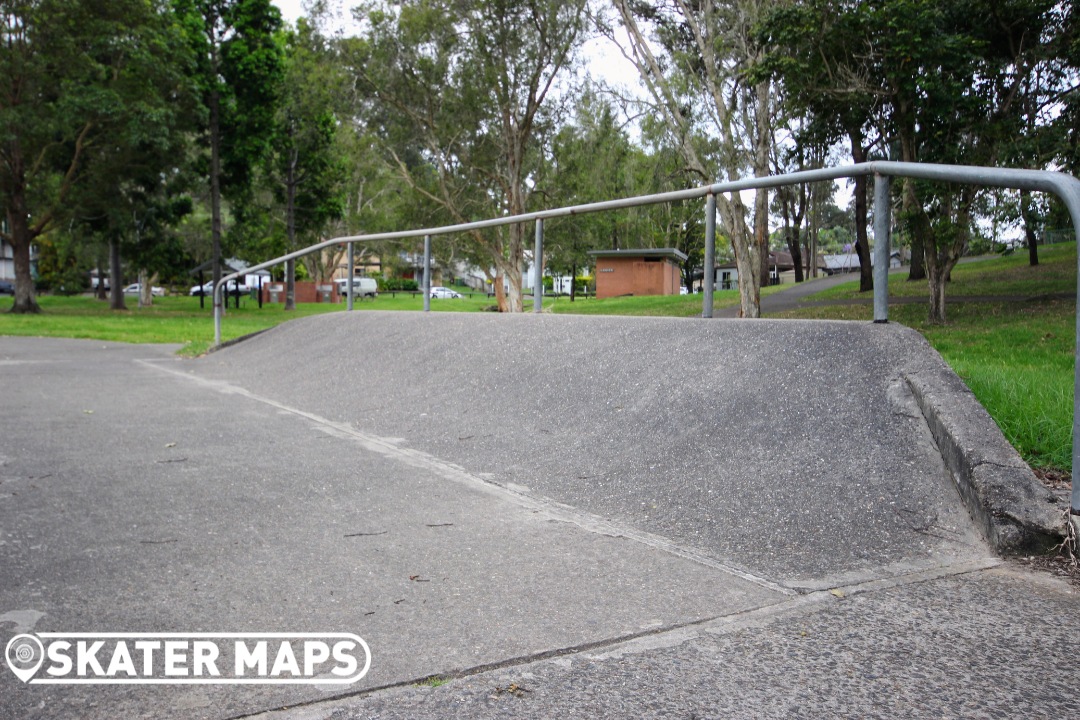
236 341
1013 509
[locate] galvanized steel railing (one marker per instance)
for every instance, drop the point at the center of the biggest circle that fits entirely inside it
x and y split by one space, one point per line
1064 186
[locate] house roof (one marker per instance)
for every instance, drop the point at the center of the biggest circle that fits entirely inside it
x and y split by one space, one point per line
780 259
230 265
670 253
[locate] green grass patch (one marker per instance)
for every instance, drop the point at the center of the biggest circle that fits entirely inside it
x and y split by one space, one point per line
654 305
180 320
1008 275
433 682
648 305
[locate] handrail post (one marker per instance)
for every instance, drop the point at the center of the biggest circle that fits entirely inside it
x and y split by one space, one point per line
708 279
882 250
427 273
538 267
349 285
1072 202
216 294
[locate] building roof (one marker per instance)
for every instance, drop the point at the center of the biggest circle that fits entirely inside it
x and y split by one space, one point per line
671 253
228 265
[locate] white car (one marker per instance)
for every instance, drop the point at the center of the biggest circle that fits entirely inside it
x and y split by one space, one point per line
134 289
444 292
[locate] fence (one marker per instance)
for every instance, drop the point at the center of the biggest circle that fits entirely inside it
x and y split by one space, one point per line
1064 186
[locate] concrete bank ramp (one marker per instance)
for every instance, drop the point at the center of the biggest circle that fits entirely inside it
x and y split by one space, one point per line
798 452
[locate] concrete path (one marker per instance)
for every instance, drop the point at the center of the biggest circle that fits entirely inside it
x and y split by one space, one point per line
792 296
593 517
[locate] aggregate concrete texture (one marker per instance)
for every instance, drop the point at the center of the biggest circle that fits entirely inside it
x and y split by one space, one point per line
591 517
133 499
757 444
949 648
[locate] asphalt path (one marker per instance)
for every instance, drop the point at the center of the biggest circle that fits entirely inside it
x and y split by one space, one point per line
588 517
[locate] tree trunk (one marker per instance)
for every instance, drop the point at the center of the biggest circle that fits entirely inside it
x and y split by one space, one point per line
573 281
21 238
920 243
511 269
116 280
747 253
145 291
812 229
763 144
796 256
862 244
290 285
514 302
500 291
99 291
936 279
749 292
1029 228
791 235
942 254
911 205
761 234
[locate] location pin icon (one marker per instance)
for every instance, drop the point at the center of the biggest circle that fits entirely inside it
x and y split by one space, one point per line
24 655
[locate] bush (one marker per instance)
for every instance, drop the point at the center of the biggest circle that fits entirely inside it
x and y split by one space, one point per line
401 284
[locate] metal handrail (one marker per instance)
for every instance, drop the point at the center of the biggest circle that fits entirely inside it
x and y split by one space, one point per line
1064 186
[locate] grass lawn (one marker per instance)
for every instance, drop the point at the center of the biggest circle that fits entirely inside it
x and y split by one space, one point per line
169 320
991 275
657 305
666 305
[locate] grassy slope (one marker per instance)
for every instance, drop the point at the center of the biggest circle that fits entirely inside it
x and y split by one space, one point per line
1008 275
1017 357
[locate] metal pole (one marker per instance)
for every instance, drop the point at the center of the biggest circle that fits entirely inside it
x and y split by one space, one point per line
882 250
427 273
1072 202
538 267
217 313
709 276
352 263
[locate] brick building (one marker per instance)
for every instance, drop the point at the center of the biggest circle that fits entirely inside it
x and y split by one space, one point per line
644 271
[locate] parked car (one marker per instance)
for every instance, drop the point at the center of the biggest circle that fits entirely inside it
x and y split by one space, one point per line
7 288
208 288
362 287
134 289
444 292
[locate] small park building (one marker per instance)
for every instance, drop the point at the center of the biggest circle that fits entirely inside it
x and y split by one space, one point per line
646 271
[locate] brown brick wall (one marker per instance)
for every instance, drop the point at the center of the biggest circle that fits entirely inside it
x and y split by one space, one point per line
635 276
306 292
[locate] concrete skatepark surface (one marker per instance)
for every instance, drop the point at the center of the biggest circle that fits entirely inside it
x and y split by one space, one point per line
595 517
